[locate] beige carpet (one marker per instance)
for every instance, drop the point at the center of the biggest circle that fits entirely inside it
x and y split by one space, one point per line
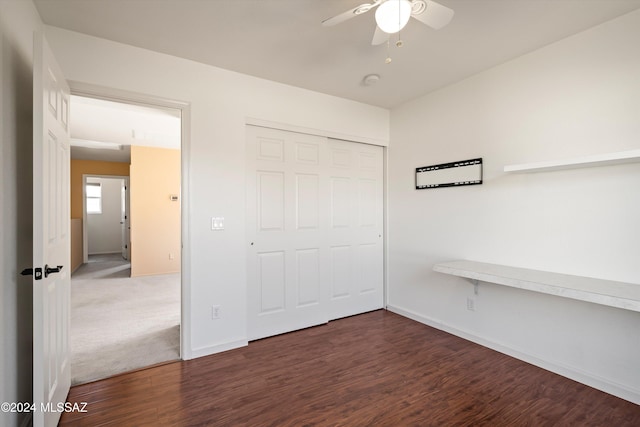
118 323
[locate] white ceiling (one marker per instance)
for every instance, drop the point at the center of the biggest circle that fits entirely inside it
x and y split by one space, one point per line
284 41
101 122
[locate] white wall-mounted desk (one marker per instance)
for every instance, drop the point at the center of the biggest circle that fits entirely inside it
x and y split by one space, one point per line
598 291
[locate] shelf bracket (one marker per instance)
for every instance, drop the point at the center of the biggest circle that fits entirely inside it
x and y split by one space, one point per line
475 284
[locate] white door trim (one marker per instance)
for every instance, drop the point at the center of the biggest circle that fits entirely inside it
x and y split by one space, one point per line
111 94
385 224
317 132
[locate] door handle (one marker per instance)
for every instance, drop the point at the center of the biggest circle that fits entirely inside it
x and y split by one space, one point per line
35 272
48 270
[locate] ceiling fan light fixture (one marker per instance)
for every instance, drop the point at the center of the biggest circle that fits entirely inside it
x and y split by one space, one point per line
393 15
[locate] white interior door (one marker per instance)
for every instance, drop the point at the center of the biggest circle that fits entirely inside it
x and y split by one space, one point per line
287 245
314 212
356 226
51 244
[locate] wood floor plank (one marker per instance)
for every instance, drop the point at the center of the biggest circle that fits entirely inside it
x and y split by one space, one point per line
375 369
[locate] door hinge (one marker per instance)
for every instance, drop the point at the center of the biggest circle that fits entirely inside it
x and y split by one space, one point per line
36 273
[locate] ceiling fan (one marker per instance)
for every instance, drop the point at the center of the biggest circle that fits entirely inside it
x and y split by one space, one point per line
393 15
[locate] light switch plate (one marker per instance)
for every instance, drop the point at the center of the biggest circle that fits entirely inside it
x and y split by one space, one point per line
217 223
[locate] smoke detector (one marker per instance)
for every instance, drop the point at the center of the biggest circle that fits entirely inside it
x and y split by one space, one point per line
370 79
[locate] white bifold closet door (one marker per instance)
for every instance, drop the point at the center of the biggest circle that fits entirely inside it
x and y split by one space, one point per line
314 228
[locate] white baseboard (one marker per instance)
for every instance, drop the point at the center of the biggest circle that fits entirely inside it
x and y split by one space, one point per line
595 381
218 348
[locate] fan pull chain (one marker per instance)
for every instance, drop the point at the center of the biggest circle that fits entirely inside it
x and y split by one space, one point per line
388 60
399 42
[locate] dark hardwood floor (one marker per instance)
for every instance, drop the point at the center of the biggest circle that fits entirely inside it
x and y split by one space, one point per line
375 369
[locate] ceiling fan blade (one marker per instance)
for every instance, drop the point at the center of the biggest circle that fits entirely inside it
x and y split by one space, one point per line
358 10
434 14
379 37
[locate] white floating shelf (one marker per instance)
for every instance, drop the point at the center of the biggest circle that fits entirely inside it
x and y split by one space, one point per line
598 291
578 162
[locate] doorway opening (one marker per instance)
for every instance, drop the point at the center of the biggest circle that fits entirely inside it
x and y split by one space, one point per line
106 216
126 196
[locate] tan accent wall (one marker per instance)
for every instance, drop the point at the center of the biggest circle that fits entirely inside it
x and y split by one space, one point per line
155 219
76 244
82 167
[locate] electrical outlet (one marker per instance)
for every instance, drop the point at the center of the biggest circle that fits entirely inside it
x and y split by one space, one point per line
471 304
215 312
170 256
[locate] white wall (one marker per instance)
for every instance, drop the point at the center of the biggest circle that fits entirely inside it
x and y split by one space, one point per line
221 101
104 231
579 96
18 20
